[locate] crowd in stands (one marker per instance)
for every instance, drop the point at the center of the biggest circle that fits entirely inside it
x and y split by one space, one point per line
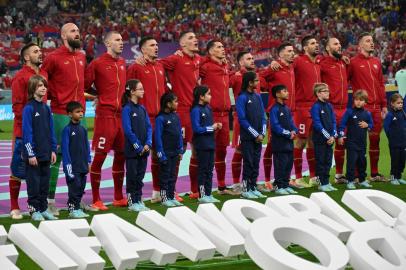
258 25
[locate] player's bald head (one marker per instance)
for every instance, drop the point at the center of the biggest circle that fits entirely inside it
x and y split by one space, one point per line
67 27
70 35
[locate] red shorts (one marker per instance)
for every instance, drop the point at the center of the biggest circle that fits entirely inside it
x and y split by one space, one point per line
186 125
236 131
222 136
108 134
303 121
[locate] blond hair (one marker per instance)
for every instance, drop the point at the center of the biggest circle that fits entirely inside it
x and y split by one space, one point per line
318 87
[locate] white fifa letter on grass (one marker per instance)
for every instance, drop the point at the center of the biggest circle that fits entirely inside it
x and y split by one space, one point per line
8 253
400 224
193 246
209 222
303 208
374 246
263 245
126 245
39 248
374 205
238 211
71 236
333 210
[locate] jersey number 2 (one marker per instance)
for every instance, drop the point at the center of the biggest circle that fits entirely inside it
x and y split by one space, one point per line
102 142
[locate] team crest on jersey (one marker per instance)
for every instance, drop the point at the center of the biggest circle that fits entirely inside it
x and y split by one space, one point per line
81 62
122 67
160 72
281 114
322 111
375 66
147 71
73 133
187 63
36 114
203 115
66 62
169 121
355 117
394 118
333 67
362 66
249 101
134 114
108 67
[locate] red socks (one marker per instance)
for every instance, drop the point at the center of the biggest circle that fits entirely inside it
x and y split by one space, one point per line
155 173
14 185
339 153
118 175
236 166
297 162
220 165
193 175
95 174
311 161
267 161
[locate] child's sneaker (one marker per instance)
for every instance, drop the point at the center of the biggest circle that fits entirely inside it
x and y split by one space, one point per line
213 200
365 184
350 185
249 195
37 216
168 203
324 188
138 207
77 214
281 191
16 214
314 181
395 182
176 202
402 182
258 193
331 187
291 190
204 199
48 215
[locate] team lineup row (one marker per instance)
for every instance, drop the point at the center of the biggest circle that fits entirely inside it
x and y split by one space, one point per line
68 78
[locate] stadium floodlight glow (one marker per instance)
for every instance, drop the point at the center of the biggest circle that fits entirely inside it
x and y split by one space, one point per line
318 224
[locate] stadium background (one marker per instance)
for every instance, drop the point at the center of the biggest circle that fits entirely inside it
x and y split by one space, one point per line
257 25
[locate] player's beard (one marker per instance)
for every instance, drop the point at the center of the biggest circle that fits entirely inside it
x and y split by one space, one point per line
74 43
337 55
